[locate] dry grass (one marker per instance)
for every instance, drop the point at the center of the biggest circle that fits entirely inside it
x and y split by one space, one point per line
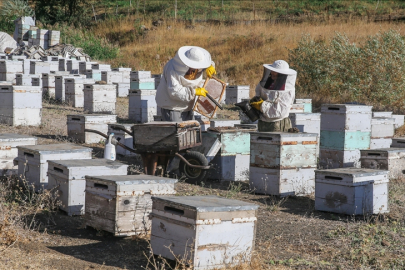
239 51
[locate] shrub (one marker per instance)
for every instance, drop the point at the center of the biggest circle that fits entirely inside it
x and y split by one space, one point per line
371 72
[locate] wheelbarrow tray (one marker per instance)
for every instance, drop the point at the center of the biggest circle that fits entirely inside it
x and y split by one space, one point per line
166 136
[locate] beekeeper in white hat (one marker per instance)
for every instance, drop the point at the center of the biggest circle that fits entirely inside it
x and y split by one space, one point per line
275 95
182 81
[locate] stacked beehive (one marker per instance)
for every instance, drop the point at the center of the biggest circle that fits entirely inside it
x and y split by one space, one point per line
124 85
60 87
22 26
142 105
20 105
382 130
307 104
235 93
283 163
345 130
100 98
48 82
8 70
76 124
74 94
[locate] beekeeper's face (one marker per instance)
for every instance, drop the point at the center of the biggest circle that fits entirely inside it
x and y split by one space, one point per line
274 75
192 74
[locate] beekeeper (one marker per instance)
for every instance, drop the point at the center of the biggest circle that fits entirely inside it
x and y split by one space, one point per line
182 80
275 95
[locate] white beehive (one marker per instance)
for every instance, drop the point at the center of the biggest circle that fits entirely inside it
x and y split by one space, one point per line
122 204
8 70
382 114
307 102
20 105
140 74
122 89
103 67
39 67
399 120
100 98
26 79
60 87
125 73
231 163
74 94
342 117
111 77
223 123
351 191
27 65
279 182
93 74
157 78
84 65
142 84
380 143
123 138
235 93
390 159
53 65
72 64
306 122
76 124
382 127
142 105
33 160
281 163
68 177
48 82
9 151
329 159
207 231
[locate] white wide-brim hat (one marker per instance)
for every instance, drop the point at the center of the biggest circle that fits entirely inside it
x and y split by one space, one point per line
195 57
280 66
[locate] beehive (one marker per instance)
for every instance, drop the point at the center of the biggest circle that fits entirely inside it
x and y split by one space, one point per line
125 74
74 94
123 138
83 66
20 105
351 191
399 120
103 67
235 93
8 70
72 64
60 87
111 77
48 82
39 67
68 177
26 79
93 74
140 74
307 104
143 84
232 160
157 78
76 124
382 127
382 114
390 159
100 98
122 204
223 123
122 89
297 108
398 142
142 105
33 160
207 231
306 122
283 163
9 151
329 159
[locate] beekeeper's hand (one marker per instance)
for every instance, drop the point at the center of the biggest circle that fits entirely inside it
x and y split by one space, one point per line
210 71
200 91
257 104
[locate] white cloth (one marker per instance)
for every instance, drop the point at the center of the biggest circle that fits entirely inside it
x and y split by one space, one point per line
277 103
174 91
7 41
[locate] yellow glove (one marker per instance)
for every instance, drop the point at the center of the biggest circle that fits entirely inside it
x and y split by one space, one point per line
201 92
210 71
257 104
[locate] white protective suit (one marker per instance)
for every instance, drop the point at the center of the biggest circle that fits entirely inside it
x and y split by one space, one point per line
174 91
277 103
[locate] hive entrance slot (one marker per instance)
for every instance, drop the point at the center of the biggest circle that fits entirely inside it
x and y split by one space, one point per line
265 138
374 154
333 109
173 210
97 185
57 169
333 177
76 119
28 154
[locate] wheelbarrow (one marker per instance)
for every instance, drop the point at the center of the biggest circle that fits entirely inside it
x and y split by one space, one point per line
167 145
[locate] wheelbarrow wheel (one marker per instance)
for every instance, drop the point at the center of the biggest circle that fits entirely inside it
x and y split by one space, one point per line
192 174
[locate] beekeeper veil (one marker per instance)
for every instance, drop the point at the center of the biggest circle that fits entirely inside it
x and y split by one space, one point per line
278 76
190 61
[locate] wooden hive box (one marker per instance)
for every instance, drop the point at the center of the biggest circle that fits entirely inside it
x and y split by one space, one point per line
122 204
76 124
68 177
9 151
330 158
390 159
351 191
208 231
307 104
33 160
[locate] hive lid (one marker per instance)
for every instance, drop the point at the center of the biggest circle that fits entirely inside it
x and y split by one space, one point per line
207 203
87 163
352 176
383 150
121 180
55 148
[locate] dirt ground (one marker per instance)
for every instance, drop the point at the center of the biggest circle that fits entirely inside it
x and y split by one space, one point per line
290 233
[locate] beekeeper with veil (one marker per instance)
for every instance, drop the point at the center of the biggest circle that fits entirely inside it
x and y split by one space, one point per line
182 80
275 95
